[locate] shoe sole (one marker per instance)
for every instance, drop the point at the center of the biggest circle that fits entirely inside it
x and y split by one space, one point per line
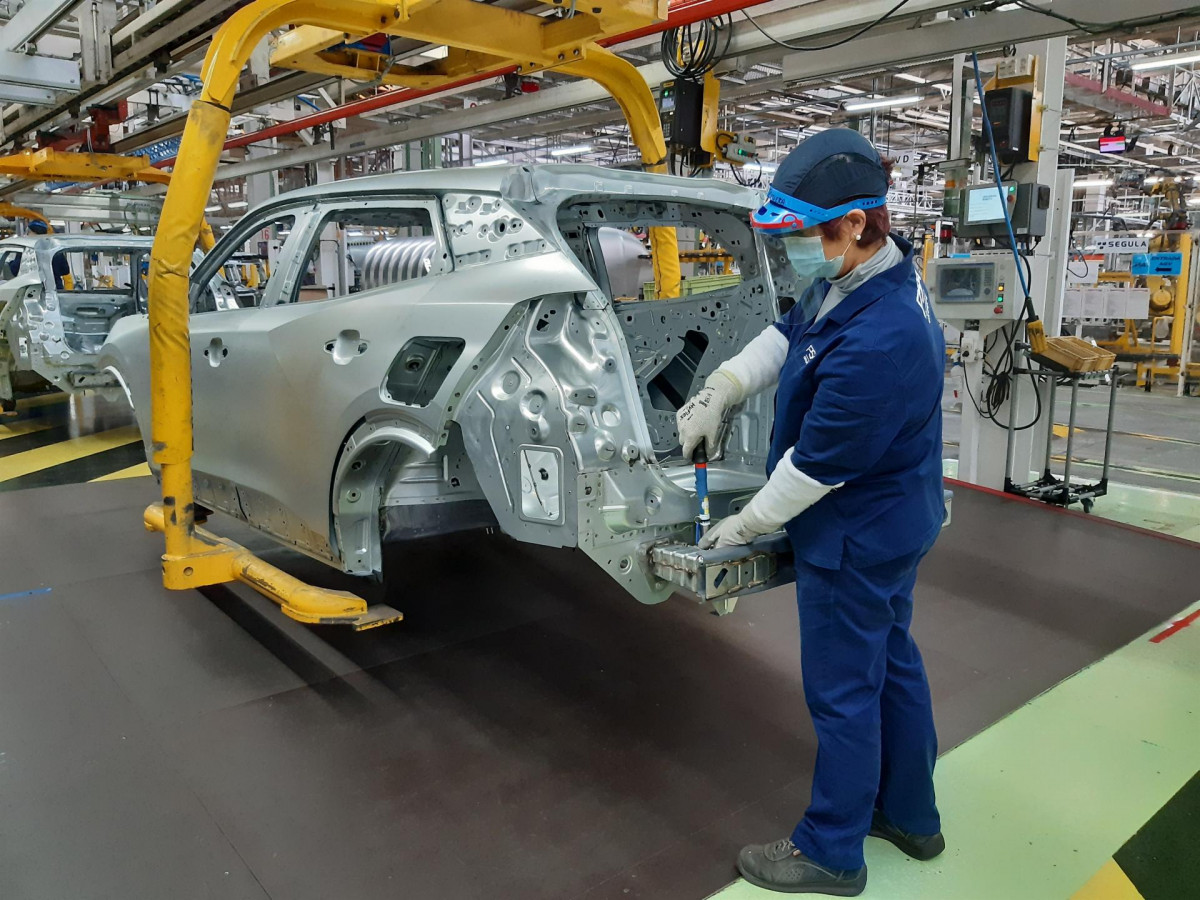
906 848
832 890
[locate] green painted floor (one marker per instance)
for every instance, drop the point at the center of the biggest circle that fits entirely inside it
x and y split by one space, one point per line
1037 804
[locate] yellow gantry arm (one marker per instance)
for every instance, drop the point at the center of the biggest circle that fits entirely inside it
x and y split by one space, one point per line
55 165
621 79
193 558
207 239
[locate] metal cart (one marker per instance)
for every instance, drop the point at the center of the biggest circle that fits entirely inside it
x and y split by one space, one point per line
1049 488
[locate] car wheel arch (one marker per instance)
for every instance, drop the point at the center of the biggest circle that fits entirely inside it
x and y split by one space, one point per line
369 452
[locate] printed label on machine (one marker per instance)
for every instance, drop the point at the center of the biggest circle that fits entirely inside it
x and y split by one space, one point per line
1157 264
1123 244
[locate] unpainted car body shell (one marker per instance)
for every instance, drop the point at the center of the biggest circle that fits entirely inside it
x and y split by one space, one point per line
55 334
555 421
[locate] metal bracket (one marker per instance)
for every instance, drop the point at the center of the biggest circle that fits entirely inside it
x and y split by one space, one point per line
720 574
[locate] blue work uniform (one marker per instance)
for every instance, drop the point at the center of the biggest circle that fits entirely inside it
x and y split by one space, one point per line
859 404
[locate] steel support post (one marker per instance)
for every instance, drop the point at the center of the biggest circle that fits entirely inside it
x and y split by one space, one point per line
984 449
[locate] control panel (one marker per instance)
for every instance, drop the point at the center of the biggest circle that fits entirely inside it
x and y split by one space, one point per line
981 286
982 210
736 149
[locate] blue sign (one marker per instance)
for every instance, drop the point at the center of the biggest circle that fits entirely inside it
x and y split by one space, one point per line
1157 264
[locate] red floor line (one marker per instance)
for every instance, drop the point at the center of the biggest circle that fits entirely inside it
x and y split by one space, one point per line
1175 626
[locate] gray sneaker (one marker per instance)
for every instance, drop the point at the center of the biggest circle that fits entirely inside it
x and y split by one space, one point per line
781 867
918 846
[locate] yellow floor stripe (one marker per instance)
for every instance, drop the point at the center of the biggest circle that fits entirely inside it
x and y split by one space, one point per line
132 472
18 428
44 457
1110 883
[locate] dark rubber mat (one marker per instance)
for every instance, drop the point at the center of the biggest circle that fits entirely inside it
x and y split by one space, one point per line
1160 859
528 731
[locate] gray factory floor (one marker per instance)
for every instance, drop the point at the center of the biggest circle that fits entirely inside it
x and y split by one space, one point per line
1156 435
528 731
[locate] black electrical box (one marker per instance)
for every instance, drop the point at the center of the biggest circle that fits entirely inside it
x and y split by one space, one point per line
1010 111
681 104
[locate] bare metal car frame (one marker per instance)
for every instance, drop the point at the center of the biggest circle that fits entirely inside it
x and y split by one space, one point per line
506 388
51 335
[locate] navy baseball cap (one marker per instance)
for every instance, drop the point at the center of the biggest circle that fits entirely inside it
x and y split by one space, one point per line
825 177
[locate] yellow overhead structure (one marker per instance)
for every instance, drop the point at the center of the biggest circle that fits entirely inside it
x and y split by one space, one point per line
478 38
481 38
495 36
60 165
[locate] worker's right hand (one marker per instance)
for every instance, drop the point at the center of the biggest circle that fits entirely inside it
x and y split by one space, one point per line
701 418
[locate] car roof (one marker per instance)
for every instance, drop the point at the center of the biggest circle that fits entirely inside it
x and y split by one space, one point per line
54 242
519 181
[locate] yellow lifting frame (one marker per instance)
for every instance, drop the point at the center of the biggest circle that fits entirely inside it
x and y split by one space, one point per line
192 558
54 165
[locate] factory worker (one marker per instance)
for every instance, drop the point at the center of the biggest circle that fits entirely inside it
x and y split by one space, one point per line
856 479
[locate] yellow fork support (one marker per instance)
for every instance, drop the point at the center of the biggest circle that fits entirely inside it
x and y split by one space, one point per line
193 558
303 602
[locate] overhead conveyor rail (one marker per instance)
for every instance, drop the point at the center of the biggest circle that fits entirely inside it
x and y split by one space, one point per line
192 558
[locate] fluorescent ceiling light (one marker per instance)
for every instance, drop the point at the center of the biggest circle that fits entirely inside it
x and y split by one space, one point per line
1093 182
916 79
571 151
238 204
436 52
212 209
1162 62
881 102
491 162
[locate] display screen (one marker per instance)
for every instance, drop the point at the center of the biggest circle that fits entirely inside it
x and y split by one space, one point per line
966 283
984 205
1114 144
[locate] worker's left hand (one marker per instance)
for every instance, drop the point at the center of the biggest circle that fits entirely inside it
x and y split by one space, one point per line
732 531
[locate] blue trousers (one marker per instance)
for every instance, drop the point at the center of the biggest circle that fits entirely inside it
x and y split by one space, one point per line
869 699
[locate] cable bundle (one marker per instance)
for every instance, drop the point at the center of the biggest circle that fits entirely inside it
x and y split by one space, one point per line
692 51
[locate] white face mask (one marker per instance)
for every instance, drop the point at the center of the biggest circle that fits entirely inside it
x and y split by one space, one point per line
807 256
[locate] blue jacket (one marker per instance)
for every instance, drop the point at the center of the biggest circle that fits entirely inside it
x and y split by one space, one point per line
860 401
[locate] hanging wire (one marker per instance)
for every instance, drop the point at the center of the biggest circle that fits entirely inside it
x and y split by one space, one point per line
692 51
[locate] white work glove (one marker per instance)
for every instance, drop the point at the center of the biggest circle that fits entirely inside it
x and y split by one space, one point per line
753 370
701 418
787 493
